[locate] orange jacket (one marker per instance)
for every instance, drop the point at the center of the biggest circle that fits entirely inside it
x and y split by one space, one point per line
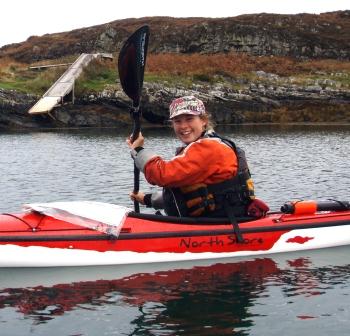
207 160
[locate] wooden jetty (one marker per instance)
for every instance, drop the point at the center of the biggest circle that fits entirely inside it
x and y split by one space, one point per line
65 84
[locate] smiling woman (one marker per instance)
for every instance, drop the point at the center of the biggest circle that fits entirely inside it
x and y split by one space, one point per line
209 175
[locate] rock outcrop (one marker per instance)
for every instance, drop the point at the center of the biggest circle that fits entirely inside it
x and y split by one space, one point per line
13 110
255 104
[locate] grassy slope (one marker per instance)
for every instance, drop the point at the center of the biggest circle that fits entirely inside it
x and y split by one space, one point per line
231 69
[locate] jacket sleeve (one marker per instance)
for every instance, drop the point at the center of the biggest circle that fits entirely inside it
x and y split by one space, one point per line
154 200
141 156
202 161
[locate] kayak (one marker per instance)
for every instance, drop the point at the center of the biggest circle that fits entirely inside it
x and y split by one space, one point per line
37 239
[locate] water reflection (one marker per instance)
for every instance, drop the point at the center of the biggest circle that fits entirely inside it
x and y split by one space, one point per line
183 299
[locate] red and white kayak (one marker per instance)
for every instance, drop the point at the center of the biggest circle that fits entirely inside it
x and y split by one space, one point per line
36 239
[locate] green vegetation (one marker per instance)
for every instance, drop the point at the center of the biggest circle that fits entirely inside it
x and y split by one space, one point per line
18 77
95 77
171 80
29 81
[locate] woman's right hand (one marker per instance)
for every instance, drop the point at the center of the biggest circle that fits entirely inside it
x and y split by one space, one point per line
139 197
139 141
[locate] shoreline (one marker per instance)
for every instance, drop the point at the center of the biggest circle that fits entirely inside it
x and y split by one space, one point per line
111 112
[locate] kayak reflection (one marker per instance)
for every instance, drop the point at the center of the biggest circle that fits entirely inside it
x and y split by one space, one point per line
193 295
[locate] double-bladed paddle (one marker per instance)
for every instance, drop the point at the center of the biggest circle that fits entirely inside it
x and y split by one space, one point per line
131 68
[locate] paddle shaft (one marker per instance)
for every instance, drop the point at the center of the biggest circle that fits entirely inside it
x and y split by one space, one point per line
135 133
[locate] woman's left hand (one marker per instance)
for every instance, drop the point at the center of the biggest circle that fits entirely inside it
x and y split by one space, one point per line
139 197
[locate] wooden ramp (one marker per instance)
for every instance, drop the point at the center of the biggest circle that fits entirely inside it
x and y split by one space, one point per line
64 85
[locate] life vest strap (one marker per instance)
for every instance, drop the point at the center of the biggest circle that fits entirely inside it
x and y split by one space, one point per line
233 220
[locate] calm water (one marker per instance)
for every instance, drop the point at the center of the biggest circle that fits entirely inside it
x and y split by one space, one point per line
284 294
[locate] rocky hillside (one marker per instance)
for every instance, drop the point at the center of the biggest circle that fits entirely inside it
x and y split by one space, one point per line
303 36
227 62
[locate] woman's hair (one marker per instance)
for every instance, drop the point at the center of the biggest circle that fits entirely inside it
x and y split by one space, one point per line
208 118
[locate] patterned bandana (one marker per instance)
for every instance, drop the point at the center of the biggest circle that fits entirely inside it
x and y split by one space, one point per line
186 105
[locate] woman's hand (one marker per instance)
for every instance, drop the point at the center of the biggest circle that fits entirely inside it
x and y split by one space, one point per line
139 197
139 141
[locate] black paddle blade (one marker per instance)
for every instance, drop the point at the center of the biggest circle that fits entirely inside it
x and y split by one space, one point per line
131 64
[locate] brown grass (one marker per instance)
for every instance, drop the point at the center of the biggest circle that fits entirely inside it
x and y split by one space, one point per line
307 112
6 62
233 64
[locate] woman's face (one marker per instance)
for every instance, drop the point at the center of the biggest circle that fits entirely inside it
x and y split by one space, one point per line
188 127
